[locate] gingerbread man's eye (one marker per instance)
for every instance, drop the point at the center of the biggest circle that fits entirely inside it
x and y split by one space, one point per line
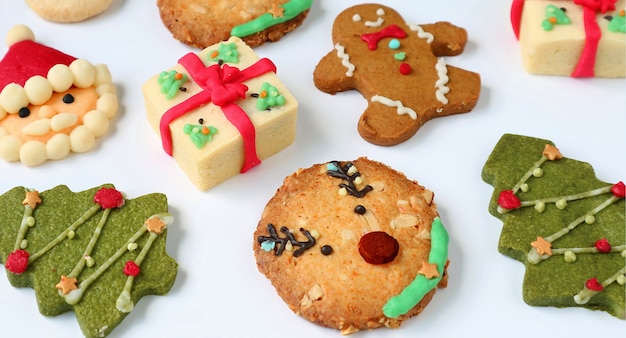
24 112
68 98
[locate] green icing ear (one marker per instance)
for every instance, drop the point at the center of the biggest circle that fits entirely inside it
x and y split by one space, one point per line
86 239
554 16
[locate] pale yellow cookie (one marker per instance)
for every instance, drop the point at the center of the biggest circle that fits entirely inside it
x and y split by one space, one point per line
68 10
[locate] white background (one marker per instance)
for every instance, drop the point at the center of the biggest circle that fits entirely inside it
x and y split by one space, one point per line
218 291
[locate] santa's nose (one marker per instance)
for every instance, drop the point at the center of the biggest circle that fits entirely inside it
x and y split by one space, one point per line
47 112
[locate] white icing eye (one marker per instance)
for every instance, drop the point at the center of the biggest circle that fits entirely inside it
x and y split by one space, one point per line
356 18
380 12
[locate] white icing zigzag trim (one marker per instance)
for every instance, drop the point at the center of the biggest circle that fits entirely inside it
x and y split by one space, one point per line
345 59
401 109
442 89
421 33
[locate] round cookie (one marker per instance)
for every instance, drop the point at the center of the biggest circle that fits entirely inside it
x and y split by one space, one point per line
202 23
375 234
68 10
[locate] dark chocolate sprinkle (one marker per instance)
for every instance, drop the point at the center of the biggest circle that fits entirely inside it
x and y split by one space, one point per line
23 112
326 250
68 98
359 209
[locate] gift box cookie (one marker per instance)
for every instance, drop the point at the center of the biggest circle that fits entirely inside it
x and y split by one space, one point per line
220 112
579 38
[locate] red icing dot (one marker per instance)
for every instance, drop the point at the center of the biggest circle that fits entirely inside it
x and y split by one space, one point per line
508 200
603 245
17 262
109 198
405 68
593 284
618 189
131 269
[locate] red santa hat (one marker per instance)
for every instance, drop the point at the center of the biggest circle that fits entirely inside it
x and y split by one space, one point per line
27 58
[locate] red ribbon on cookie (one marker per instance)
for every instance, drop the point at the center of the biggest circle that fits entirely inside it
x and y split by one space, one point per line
221 85
587 59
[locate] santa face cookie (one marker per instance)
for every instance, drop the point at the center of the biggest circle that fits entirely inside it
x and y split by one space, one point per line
376 236
51 103
399 69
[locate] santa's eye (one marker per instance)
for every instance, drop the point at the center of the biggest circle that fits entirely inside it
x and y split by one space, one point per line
68 98
24 112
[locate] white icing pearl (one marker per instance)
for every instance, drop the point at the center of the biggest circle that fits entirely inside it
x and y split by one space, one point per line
81 139
33 153
58 146
10 148
84 73
19 33
38 90
13 98
60 78
97 122
37 128
107 103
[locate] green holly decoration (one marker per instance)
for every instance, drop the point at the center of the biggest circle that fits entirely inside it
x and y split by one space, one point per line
269 97
554 16
171 82
226 52
200 134
617 24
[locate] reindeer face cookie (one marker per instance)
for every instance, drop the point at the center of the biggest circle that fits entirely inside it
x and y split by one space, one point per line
51 103
399 68
352 245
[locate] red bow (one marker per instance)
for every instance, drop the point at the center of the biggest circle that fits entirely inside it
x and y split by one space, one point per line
222 86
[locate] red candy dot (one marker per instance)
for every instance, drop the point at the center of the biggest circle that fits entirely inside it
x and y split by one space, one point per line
618 189
508 200
17 262
405 68
603 245
109 198
593 284
131 269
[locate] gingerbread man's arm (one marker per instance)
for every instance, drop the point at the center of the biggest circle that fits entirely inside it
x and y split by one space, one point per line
450 40
333 73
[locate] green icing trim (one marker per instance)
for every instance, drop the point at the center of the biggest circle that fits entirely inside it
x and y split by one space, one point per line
199 134
554 16
413 294
292 9
269 97
226 52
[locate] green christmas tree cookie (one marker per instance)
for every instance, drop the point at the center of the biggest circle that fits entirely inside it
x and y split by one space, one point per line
565 225
93 252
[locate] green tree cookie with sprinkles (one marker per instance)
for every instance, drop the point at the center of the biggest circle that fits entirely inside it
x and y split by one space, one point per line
564 224
94 252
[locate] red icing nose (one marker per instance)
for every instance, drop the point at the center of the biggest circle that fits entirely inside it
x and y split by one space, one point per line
378 247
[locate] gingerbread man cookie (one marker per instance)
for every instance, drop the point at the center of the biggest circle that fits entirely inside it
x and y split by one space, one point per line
399 68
